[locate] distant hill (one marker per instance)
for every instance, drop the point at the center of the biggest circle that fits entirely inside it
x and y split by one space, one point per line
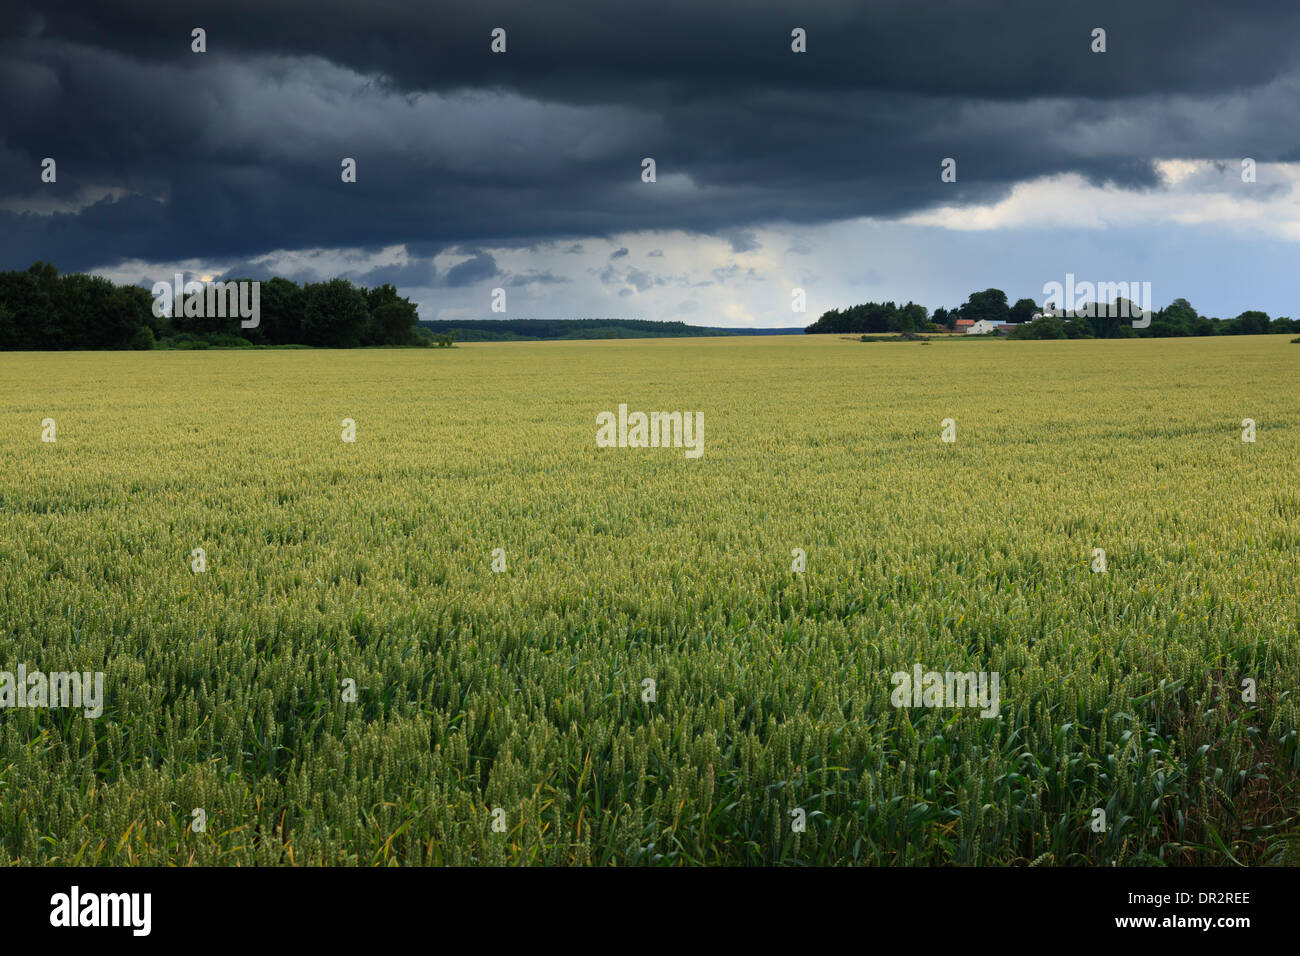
532 330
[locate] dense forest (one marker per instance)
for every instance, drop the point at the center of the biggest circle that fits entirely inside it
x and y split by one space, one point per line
41 309
1178 318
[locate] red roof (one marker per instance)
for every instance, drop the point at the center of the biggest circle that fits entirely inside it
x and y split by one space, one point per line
965 323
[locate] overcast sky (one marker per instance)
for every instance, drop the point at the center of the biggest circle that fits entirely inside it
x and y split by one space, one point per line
775 169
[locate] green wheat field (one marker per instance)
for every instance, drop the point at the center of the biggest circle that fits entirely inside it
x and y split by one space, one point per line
501 717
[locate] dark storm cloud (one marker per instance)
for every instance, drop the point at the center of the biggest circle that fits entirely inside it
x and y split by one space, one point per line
478 268
589 50
235 153
419 273
742 240
537 278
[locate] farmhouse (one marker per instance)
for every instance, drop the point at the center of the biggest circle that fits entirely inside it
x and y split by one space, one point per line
963 325
982 327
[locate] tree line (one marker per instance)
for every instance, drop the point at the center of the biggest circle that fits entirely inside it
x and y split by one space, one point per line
43 309
1178 318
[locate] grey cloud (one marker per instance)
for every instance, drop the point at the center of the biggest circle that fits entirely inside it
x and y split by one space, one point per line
742 240
536 278
479 268
641 280
417 273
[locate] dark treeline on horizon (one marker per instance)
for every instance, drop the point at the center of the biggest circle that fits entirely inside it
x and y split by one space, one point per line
1110 321
43 310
